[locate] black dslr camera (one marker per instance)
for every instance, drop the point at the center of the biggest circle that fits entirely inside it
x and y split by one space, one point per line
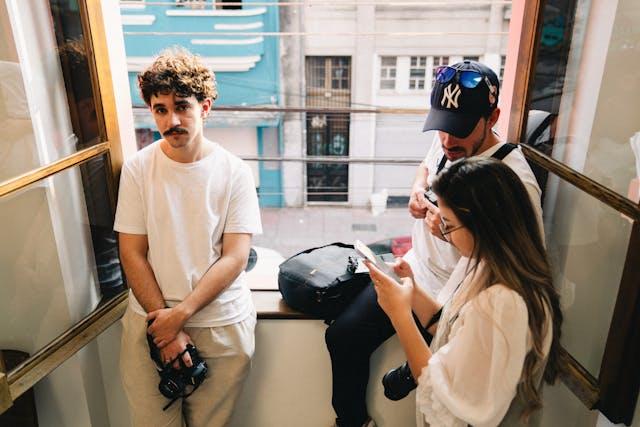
176 383
398 382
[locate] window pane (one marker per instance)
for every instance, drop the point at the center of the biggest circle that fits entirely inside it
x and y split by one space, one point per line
389 61
62 256
581 231
221 6
594 90
388 72
328 135
387 84
49 79
340 73
315 71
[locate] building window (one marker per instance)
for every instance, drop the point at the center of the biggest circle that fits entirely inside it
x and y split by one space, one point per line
503 60
417 72
340 72
388 70
438 61
328 72
193 4
220 4
316 71
471 58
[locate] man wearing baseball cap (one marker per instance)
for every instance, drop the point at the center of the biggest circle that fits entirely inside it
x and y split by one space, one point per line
463 111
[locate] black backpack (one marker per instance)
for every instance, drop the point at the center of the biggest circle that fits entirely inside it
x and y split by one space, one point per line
322 281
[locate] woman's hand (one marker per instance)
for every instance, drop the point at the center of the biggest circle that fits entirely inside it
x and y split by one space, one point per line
394 298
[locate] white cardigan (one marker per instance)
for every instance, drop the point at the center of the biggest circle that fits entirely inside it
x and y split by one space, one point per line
477 361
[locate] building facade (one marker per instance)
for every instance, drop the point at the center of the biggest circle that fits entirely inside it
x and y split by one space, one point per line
378 56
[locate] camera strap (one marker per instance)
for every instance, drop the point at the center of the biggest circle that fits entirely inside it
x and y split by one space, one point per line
195 381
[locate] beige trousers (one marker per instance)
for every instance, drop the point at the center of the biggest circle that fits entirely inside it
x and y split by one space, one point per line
227 351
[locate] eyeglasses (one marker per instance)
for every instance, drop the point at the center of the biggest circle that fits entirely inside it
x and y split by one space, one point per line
467 78
445 231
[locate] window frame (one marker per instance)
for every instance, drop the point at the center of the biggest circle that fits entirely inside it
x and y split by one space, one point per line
388 69
615 391
28 373
418 67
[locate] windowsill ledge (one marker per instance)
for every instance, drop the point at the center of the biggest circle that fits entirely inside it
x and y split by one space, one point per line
270 305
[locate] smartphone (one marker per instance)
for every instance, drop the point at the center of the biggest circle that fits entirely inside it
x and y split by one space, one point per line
366 252
431 197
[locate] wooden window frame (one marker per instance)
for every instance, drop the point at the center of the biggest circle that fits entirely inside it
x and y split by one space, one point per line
615 391
24 376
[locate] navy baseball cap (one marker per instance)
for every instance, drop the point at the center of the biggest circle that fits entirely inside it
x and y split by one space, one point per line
456 107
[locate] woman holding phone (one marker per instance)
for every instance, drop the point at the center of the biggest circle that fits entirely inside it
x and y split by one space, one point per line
498 334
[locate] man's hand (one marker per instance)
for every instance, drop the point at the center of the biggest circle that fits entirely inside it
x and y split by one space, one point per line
402 269
417 203
174 348
167 322
432 220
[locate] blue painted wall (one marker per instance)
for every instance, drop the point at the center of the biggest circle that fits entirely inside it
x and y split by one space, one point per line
258 86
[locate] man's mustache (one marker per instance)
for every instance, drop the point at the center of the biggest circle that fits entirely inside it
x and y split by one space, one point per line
174 130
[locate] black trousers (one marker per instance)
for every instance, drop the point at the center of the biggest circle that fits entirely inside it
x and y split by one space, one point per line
351 339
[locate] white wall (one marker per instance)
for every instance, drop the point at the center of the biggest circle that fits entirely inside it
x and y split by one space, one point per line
290 380
239 141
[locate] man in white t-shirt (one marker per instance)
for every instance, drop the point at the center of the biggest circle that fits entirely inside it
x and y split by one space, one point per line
464 110
186 212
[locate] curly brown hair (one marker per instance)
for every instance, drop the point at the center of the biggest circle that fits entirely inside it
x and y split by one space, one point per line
178 70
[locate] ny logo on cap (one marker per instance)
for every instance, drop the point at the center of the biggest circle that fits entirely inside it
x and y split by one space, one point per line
451 95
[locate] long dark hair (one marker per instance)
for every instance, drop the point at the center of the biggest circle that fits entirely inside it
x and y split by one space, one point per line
490 201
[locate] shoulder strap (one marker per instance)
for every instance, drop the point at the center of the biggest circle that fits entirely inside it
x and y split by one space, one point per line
504 151
443 161
434 319
500 154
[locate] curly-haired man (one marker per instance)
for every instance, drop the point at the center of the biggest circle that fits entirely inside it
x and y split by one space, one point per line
186 212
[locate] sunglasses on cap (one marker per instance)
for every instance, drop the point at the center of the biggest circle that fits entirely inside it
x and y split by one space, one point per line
467 78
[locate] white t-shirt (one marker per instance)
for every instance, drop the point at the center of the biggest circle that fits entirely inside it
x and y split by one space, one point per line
184 209
432 259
